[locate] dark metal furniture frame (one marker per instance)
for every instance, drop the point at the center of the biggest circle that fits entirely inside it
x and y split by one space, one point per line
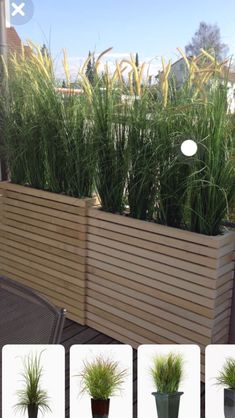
26 317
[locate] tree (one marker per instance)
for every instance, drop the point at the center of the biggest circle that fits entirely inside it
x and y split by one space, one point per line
45 51
207 37
137 60
90 70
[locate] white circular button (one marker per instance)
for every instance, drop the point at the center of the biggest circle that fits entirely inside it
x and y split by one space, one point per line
189 148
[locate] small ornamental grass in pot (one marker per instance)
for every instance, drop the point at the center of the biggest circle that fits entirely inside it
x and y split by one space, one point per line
32 398
226 379
167 373
101 379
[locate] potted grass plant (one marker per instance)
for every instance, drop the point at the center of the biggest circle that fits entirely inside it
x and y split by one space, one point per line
167 372
226 378
101 379
32 398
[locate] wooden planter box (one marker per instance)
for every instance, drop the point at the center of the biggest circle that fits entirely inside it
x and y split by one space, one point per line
149 283
43 244
136 281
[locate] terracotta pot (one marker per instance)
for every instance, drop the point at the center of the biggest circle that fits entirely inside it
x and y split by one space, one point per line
167 404
229 403
100 408
32 411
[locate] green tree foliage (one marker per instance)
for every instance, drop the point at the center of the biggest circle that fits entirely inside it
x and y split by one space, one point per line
90 71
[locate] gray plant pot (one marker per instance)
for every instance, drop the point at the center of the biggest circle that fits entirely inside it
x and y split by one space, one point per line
167 404
100 408
32 411
229 403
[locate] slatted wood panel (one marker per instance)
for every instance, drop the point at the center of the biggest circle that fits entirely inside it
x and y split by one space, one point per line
149 283
43 244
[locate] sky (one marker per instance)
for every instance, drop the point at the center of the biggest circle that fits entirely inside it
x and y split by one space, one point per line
153 28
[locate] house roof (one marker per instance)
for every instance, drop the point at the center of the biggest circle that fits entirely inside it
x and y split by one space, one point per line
14 42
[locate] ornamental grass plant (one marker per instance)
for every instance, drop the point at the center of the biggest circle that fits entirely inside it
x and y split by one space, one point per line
32 393
108 118
48 138
167 372
121 138
102 378
226 376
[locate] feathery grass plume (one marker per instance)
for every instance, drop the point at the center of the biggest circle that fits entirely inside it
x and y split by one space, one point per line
102 378
164 80
197 192
80 155
143 151
226 376
123 137
167 372
172 125
24 147
32 394
66 67
108 120
47 140
211 185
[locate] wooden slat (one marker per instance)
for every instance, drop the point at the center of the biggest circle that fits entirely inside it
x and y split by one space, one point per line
149 304
162 284
75 285
38 201
169 307
212 242
174 324
152 259
43 245
153 293
64 265
168 241
146 285
174 267
145 270
65 256
57 286
83 203
12 210
43 261
72 233
134 280
141 275
66 247
141 331
46 211
56 236
63 299
182 303
101 236
11 258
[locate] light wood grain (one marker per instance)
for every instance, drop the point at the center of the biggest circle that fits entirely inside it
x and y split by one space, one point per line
43 244
157 284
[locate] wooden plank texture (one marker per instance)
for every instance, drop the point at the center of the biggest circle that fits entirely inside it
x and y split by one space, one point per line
136 281
154 284
43 244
